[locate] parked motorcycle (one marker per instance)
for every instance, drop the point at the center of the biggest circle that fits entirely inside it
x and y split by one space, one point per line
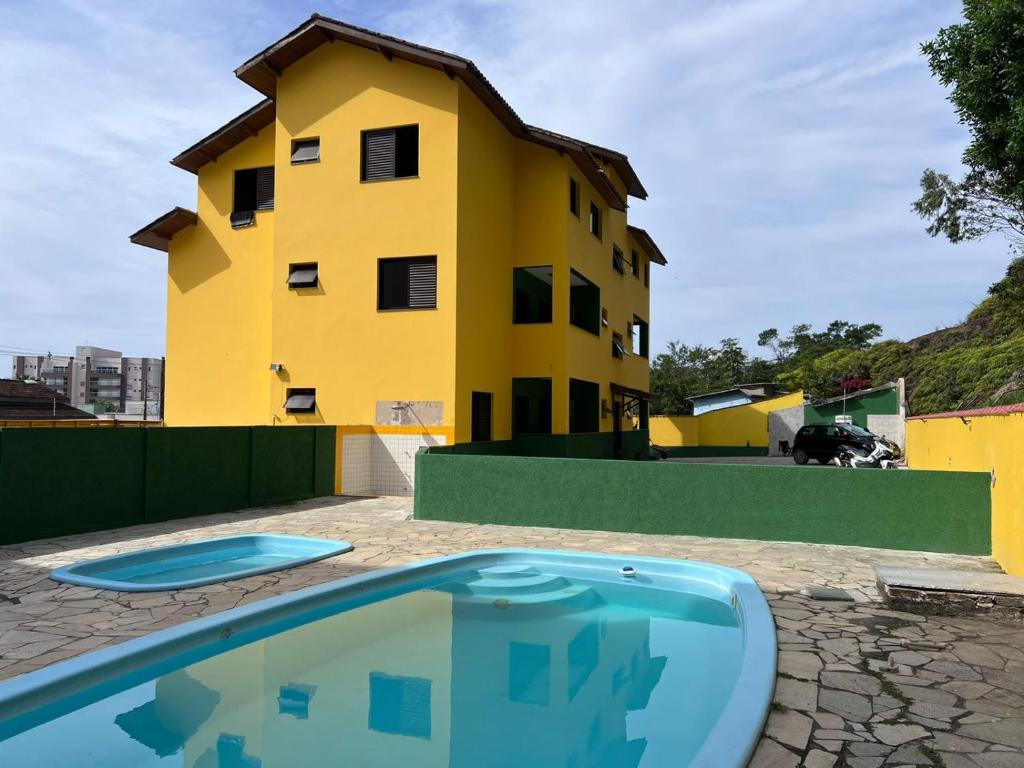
884 455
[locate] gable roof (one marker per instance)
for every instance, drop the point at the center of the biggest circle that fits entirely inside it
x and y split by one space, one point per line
647 243
232 133
753 389
158 233
27 401
263 69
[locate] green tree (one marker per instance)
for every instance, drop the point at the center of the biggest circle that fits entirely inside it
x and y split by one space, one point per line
981 61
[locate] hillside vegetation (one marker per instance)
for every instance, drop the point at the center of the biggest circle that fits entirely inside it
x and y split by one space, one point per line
977 363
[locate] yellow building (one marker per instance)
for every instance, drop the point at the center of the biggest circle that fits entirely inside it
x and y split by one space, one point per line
384 245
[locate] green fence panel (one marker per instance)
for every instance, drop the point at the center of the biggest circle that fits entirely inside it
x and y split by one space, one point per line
285 462
59 481
930 511
197 471
55 482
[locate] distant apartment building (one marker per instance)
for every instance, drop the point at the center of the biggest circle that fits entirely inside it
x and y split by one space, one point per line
94 377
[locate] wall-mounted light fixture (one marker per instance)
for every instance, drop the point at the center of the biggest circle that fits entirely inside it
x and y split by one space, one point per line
276 367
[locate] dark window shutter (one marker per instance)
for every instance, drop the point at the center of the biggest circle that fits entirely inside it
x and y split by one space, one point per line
379 154
423 283
265 188
481 416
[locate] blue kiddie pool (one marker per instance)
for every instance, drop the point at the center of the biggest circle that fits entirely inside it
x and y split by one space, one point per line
195 563
492 659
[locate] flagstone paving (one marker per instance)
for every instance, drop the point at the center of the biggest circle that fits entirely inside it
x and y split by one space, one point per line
859 685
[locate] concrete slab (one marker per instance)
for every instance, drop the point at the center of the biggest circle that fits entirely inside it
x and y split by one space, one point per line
976 582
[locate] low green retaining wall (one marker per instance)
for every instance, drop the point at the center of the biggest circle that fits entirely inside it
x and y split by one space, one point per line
698 451
55 482
930 511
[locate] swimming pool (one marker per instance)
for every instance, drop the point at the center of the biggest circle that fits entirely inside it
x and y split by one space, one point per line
495 658
195 563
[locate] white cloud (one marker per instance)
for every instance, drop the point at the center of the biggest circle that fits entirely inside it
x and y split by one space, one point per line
781 141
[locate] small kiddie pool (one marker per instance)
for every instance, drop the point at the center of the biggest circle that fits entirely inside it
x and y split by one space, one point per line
195 563
501 658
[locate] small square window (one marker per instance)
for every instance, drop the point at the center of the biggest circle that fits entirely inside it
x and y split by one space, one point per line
300 401
241 219
293 699
618 348
595 221
305 151
303 275
618 261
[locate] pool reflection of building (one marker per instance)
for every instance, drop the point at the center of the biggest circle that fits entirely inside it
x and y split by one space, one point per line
432 678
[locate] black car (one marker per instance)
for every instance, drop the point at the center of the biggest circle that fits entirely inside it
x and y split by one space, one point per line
823 441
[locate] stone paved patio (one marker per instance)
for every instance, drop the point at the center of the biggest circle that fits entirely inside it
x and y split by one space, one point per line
859 685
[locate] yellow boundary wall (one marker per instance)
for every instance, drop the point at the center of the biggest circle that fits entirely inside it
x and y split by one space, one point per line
447 432
992 443
740 425
82 423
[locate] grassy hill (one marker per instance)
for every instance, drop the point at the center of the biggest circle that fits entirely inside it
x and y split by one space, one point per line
977 363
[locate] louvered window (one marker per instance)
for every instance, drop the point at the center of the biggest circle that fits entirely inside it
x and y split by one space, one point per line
254 191
303 275
391 153
482 416
305 151
595 221
407 283
618 262
300 401
618 348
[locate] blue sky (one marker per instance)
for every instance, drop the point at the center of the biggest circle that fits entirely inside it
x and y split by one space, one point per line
781 142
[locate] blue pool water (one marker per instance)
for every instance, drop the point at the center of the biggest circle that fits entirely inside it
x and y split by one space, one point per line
510 658
195 563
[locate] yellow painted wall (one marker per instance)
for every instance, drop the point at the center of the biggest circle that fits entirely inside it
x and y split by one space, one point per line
484 202
336 340
993 444
218 303
741 425
671 431
486 226
589 356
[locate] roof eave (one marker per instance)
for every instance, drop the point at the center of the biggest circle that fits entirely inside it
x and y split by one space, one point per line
158 233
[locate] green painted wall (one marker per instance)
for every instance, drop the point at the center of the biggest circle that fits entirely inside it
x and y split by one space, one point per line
55 482
931 511
858 406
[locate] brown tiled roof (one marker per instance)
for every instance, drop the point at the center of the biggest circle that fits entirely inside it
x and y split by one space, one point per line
263 69
14 388
647 243
25 401
232 133
158 233
995 410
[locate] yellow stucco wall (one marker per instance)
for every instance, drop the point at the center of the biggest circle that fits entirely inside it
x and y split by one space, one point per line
218 303
741 425
671 431
484 202
993 444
